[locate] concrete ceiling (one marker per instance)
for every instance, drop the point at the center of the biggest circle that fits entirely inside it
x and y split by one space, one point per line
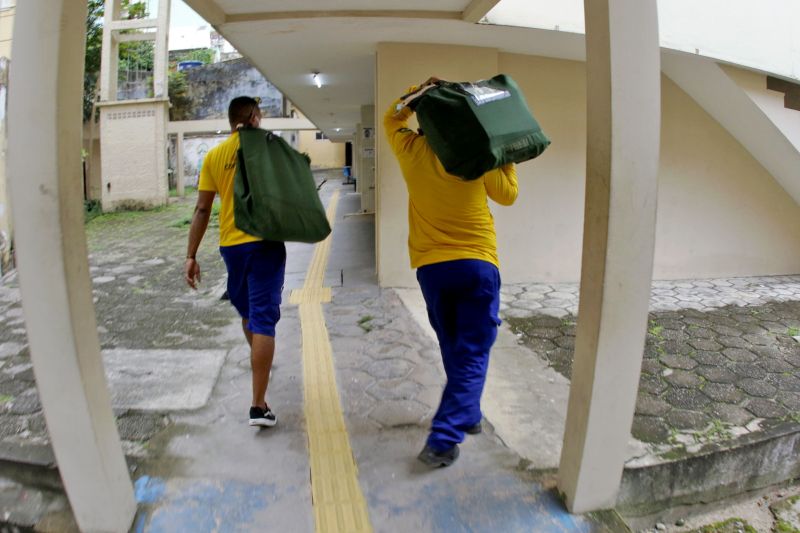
287 41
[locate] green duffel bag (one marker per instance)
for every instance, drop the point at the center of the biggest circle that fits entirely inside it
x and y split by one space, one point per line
476 127
274 194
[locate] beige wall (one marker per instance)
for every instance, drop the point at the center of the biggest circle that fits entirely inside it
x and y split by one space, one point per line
6 28
133 154
419 62
323 153
719 213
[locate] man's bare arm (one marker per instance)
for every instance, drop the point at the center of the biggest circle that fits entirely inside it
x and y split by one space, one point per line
202 213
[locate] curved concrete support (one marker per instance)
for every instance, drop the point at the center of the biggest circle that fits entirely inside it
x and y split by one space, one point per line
44 168
730 105
624 100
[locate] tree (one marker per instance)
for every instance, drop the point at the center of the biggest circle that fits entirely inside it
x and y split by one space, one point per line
178 96
94 46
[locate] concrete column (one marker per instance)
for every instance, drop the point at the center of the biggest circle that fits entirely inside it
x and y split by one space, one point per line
623 88
160 53
355 170
179 164
45 182
109 56
366 155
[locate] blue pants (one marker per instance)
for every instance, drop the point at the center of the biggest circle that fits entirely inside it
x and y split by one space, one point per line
463 298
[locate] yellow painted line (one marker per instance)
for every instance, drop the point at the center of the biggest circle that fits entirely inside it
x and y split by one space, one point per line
339 505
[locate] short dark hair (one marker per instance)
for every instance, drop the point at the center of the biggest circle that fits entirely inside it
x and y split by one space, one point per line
240 109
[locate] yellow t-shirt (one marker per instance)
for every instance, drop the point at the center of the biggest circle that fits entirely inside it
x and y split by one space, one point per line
448 217
219 169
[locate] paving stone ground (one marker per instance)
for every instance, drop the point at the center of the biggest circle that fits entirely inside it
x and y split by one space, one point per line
136 262
721 357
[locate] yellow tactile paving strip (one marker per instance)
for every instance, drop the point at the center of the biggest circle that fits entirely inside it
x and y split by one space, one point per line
339 505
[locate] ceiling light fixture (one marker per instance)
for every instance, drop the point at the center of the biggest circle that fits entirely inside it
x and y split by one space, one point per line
317 79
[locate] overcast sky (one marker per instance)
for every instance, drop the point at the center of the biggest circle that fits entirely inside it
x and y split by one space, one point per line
181 15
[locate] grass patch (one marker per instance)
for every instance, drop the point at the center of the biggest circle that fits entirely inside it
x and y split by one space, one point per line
719 430
655 330
5 398
181 223
364 323
173 193
785 527
730 525
793 332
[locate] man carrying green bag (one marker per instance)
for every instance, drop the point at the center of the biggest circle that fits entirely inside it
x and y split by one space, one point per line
254 254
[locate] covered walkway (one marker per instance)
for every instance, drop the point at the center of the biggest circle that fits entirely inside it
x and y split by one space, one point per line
366 384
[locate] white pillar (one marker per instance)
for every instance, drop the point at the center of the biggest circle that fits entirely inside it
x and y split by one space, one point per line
356 144
623 87
160 56
109 55
45 181
366 178
179 164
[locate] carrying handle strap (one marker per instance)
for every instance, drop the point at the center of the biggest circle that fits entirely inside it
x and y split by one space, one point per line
412 99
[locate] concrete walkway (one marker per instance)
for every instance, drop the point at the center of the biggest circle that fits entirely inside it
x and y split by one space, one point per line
196 464
720 365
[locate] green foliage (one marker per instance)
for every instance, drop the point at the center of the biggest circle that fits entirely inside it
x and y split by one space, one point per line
94 45
178 96
206 55
5 398
173 193
785 527
91 209
136 55
793 332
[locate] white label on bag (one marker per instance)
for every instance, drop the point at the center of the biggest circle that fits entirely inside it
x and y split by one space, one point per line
483 95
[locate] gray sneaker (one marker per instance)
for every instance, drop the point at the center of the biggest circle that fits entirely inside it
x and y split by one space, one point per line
435 459
474 430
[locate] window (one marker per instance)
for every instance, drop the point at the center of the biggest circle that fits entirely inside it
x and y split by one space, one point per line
321 136
6 4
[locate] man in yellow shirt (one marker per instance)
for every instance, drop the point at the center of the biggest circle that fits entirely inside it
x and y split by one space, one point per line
452 245
255 267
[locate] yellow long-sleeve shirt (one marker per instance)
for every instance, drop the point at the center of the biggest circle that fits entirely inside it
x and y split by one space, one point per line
448 217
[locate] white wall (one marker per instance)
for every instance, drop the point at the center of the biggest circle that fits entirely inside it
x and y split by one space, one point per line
762 35
719 214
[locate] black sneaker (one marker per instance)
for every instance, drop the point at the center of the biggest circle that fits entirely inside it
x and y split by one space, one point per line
474 430
435 459
261 417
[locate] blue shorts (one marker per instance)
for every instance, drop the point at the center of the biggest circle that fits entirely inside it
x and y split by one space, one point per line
255 282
